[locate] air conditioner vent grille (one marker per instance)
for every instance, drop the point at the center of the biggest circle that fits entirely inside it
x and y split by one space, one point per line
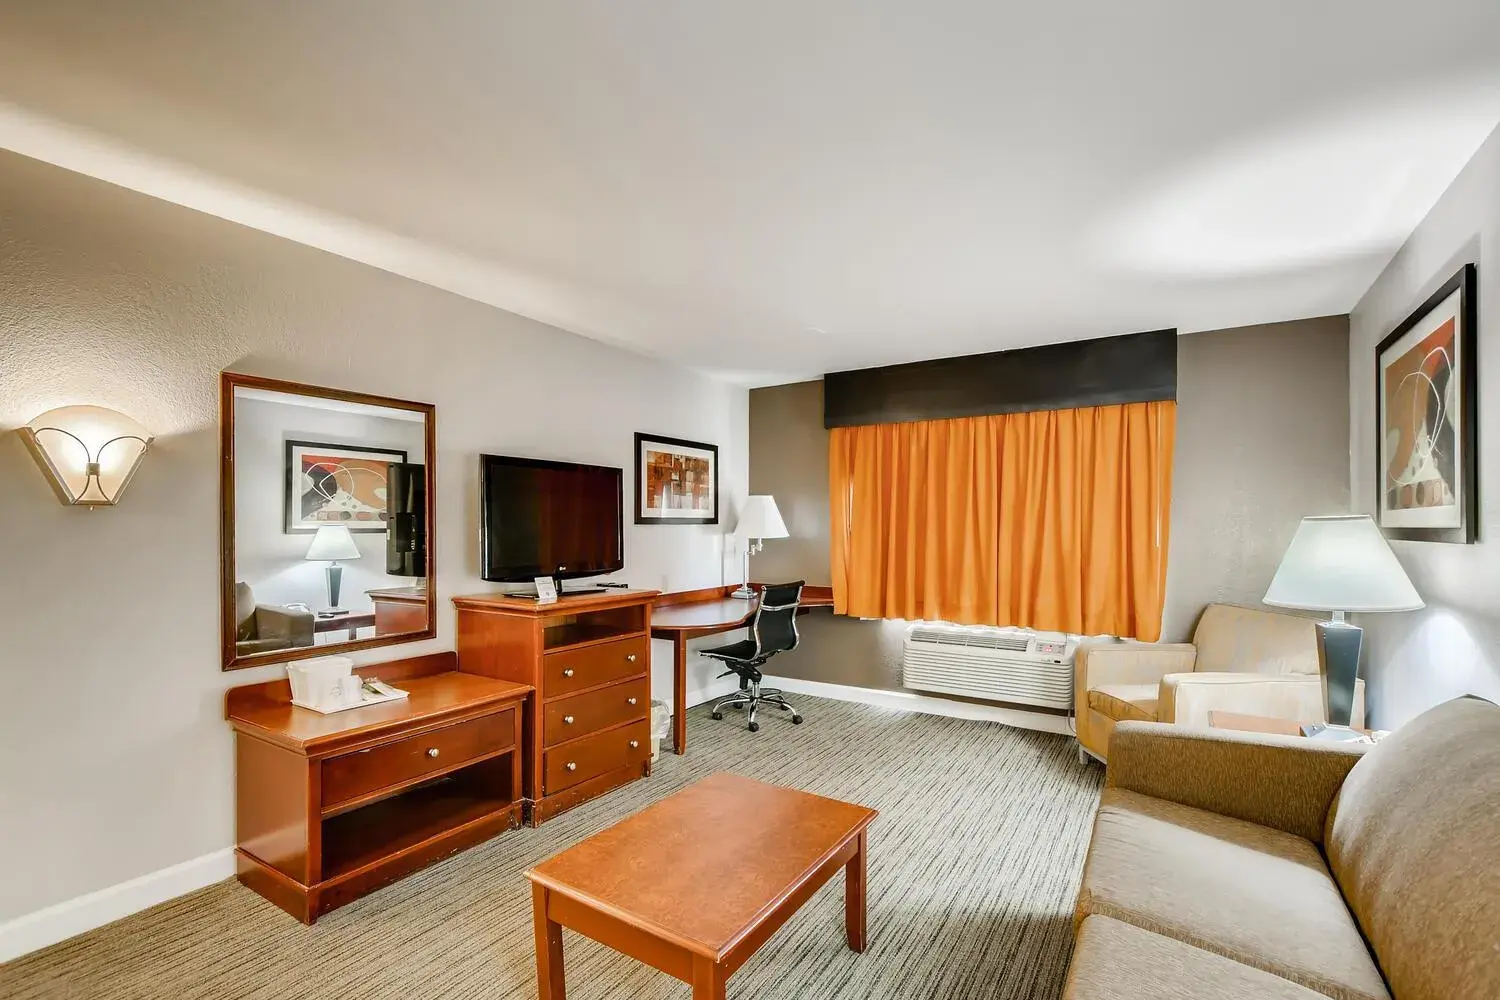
1013 640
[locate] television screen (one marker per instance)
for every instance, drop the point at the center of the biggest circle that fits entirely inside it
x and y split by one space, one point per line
542 518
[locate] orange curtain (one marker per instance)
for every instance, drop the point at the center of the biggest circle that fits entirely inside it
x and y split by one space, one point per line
1053 520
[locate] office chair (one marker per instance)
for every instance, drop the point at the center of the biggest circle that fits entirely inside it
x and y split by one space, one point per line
772 631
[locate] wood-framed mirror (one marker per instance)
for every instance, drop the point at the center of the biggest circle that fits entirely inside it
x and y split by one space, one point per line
327 530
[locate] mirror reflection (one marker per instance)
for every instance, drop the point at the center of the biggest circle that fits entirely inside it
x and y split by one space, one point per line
329 523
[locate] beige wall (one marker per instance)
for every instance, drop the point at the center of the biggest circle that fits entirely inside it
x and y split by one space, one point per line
1417 659
1261 441
115 761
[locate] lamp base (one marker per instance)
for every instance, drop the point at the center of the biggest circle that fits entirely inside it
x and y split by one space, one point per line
744 593
1338 662
335 580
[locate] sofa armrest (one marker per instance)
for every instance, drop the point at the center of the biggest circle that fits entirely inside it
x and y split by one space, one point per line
1285 782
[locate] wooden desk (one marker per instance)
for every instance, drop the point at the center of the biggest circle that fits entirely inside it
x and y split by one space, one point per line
745 856
331 807
337 623
693 614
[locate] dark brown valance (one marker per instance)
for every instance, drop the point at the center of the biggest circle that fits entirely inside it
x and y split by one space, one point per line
1135 368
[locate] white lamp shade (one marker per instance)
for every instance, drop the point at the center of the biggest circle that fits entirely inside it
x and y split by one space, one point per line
1341 564
759 518
333 541
87 452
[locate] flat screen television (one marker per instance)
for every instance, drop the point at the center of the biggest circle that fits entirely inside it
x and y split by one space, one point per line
556 519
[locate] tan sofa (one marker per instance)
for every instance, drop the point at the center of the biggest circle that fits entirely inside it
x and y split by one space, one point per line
1227 865
1240 660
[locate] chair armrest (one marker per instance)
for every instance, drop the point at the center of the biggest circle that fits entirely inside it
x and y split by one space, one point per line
1186 699
1097 663
1285 782
293 628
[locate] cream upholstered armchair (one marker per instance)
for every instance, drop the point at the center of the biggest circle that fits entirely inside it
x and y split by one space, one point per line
1240 660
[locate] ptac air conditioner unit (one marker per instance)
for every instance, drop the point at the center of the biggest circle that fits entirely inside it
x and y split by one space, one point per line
1013 665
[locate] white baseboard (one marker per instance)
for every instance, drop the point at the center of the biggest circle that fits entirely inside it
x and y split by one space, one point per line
84 913
910 701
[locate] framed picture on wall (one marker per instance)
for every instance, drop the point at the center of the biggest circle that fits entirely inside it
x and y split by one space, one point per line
1427 419
337 484
676 481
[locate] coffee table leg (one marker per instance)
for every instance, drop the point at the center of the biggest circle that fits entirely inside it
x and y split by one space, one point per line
549 950
708 979
854 897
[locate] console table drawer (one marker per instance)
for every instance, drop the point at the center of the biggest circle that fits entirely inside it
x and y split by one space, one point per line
569 670
582 714
594 755
353 775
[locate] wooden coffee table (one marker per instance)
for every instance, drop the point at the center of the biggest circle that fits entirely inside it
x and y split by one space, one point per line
694 884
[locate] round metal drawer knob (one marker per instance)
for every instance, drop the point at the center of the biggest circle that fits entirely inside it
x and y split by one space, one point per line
634 744
630 658
567 720
571 766
432 751
630 701
567 671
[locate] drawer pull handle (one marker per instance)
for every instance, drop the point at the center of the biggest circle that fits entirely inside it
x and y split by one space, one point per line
567 671
634 744
571 766
432 751
567 720
630 658
630 701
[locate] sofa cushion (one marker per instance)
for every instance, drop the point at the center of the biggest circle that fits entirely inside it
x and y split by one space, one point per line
1125 701
1257 895
1119 961
1244 640
1414 840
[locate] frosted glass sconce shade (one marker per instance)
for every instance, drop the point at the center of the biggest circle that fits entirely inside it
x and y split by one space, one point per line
88 453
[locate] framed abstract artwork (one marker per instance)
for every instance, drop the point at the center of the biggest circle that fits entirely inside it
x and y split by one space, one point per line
676 481
1427 419
337 484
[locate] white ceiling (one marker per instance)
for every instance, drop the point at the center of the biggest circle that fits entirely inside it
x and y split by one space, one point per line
768 189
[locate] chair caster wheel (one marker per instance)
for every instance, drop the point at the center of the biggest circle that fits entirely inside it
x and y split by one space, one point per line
717 716
785 708
755 727
796 720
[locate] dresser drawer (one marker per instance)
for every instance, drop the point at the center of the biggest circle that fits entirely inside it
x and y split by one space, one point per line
356 774
592 756
582 714
569 670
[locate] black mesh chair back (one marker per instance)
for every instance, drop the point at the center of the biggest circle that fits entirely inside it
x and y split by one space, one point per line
775 625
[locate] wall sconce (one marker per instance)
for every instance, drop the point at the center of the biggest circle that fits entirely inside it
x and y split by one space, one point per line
87 452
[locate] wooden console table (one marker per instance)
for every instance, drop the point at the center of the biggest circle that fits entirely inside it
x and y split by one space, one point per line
329 808
692 614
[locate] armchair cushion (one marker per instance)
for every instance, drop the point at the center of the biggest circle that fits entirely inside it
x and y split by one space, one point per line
1250 893
1284 782
1125 701
1246 640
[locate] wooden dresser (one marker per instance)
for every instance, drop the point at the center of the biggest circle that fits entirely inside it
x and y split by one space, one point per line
589 659
331 807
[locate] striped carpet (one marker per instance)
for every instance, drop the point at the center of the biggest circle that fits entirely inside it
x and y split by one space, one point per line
974 868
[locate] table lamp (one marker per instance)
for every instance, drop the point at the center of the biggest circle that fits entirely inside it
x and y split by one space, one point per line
759 520
1341 564
332 543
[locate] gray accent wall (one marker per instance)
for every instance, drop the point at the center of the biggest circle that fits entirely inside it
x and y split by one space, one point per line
1418 659
1262 439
